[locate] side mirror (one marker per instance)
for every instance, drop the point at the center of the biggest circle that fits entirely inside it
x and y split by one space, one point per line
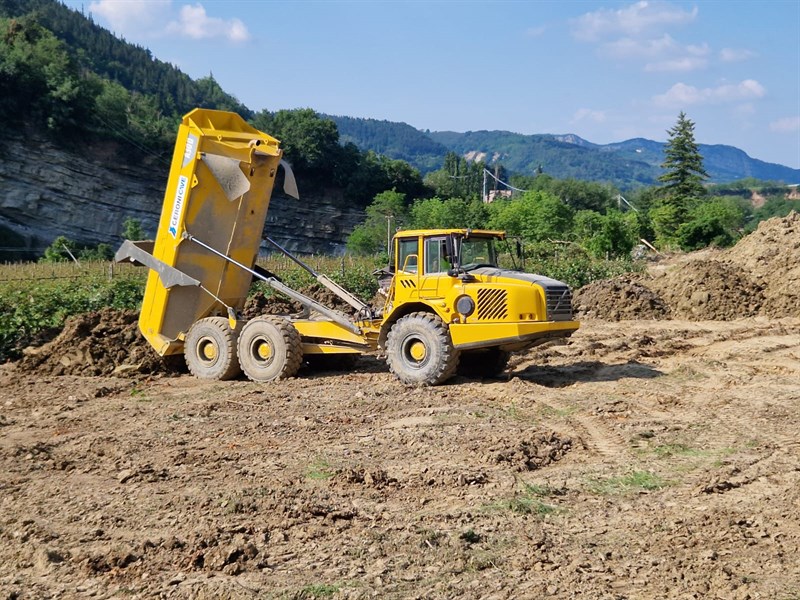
519 249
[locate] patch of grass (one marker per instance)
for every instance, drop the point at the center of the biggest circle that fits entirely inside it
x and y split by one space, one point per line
632 482
430 538
676 449
514 413
480 561
551 411
528 502
318 590
543 491
320 469
686 373
470 537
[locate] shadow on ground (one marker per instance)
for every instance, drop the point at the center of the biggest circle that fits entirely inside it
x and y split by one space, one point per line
583 372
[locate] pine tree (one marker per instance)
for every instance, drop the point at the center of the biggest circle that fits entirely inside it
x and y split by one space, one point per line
683 163
683 180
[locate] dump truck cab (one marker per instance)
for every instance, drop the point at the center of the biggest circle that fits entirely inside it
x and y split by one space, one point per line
485 310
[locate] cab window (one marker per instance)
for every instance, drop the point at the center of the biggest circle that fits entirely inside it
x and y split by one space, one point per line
407 254
435 253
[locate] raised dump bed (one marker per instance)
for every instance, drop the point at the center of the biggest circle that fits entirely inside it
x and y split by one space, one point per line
222 175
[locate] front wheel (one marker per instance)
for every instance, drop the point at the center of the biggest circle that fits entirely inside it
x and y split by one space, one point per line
270 348
210 349
419 350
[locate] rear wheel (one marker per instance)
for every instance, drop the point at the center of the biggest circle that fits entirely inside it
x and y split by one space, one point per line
210 349
489 362
270 348
419 350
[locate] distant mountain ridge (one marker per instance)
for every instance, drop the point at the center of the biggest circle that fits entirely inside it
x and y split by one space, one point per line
627 164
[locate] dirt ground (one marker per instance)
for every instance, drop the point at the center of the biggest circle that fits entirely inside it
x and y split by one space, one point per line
654 455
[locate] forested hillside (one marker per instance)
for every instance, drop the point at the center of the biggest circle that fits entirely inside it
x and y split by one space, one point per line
627 164
396 140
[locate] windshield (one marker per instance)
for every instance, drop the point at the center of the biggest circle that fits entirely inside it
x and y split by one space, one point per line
478 252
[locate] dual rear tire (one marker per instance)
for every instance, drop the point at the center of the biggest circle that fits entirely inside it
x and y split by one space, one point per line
267 348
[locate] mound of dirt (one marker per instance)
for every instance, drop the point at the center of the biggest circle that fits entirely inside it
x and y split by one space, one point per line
98 343
709 290
618 299
771 256
758 276
260 304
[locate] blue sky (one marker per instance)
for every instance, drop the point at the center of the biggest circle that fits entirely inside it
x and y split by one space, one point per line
606 71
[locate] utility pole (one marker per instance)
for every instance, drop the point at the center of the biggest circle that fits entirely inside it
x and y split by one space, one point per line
389 235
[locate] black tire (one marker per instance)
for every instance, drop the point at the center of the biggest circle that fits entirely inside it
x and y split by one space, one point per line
419 350
270 348
331 362
210 349
488 362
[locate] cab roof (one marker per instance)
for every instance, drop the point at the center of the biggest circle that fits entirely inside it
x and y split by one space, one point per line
437 232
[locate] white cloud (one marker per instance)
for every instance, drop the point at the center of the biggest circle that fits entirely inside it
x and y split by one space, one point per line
681 94
636 34
785 125
661 54
196 24
587 114
735 54
126 18
634 20
685 64
629 48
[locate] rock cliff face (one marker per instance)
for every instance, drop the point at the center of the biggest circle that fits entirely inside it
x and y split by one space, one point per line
46 191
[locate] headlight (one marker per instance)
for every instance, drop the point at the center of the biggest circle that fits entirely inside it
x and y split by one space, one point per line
465 305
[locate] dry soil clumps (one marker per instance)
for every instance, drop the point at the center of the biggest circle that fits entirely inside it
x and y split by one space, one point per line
620 298
98 343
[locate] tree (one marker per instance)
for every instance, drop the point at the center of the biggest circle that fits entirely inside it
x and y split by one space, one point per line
387 211
714 223
536 216
435 213
62 249
683 180
606 235
132 229
683 162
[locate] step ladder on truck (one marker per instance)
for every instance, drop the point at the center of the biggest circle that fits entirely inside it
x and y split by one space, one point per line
447 302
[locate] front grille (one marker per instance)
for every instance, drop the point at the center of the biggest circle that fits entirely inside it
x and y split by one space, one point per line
492 305
559 302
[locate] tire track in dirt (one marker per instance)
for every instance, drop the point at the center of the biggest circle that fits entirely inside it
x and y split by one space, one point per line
595 435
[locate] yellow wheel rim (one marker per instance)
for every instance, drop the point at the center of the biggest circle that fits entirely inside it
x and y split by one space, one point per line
208 350
417 351
264 350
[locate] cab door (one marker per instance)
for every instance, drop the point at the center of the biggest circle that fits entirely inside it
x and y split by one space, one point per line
407 267
436 266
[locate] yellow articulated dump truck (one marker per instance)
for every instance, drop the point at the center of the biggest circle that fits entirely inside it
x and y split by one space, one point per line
447 301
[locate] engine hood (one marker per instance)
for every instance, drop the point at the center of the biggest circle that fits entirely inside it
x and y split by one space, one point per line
490 274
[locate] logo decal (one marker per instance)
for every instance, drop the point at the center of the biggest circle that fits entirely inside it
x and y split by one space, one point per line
190 150
177 206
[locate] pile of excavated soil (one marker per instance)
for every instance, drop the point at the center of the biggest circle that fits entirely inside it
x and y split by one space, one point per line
261 304
619 299
709 291
758 276
98 343
771 255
